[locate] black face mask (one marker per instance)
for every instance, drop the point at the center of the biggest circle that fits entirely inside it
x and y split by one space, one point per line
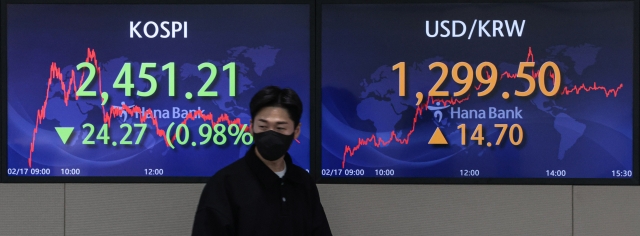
272 145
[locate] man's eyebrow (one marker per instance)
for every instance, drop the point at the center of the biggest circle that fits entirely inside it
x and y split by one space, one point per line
277 123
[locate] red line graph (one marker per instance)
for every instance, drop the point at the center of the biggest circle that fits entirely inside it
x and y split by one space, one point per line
55 74
576 89
377 141
566 90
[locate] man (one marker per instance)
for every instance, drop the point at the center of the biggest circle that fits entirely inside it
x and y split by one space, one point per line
264 193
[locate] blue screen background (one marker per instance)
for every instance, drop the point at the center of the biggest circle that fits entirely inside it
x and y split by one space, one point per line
586 135
268 43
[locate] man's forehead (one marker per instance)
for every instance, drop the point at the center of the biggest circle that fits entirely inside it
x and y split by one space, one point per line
273 114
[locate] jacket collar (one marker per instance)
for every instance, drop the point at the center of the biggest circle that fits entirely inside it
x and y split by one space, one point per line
265 175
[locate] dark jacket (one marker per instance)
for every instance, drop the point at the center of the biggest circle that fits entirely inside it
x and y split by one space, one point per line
247 198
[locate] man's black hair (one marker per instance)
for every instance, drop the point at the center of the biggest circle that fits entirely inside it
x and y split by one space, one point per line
274 96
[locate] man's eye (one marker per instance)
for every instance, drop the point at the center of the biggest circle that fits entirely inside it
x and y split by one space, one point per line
280 128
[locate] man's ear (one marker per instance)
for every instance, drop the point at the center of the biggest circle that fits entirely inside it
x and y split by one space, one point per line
297 131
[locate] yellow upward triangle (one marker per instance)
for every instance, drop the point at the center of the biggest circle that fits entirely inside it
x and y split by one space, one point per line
438 138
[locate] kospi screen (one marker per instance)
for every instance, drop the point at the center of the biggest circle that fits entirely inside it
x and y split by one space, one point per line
480 92
146 90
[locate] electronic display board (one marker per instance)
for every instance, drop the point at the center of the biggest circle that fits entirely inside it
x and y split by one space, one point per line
144 90
491 92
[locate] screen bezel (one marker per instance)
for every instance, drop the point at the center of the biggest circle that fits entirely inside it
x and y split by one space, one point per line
4 177
635 180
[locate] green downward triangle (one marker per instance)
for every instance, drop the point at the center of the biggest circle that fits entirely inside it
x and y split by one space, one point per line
64 133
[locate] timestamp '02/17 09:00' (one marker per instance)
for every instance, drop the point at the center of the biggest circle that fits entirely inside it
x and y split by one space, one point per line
70 171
